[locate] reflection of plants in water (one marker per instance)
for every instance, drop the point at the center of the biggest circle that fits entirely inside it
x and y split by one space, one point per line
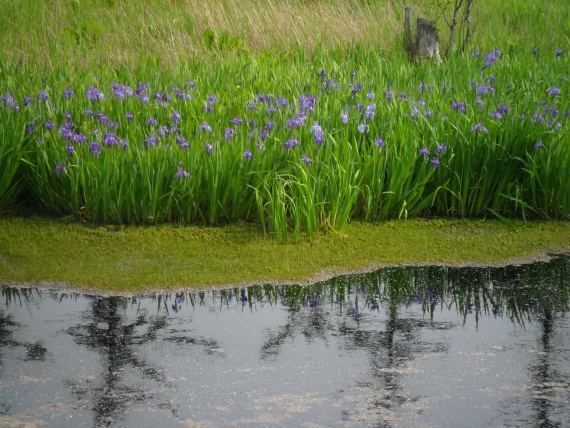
109 332
19 296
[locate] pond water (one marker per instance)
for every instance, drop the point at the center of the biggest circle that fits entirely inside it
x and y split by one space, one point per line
400 347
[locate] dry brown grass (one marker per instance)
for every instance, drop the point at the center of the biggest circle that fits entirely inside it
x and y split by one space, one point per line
113 32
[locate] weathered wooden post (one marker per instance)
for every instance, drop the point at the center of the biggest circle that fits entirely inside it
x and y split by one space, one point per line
427 40
409 44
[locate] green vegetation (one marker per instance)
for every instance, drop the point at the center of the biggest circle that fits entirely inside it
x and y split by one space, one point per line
294 117
138 259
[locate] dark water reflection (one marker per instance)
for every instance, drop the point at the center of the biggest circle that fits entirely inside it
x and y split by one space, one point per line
429 346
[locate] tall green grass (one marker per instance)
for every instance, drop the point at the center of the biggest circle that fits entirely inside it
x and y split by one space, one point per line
409 147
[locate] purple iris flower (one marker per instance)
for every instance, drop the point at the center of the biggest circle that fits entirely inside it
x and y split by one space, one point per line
247 154
50 125
43 95
94 94
296 121
175 117
229 133
318 133
95 148
379 142
152 121
291 143
182 143
306 160
181 173
441 148
129 116
70 149
424 151
459 106
68 93
370 95
28 101
362 128
554 91
539 145
150 141
434 162
479 127
206 127
503 108
356 88
264 134
389 96
369 114
60 168
496 114
209 148
79 138
344 117
558 52
236 120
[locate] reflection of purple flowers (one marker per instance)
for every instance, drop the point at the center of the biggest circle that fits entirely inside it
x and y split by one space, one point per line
313 301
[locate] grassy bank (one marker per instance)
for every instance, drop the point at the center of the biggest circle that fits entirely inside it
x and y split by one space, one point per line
139 259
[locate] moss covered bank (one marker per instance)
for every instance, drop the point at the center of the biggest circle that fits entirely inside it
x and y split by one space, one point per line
141 259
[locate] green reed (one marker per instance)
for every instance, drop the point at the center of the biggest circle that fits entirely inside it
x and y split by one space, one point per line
374 139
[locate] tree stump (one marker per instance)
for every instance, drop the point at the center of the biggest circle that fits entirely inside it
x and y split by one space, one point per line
427 40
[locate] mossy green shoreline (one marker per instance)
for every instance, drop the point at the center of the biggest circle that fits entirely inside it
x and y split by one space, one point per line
111 259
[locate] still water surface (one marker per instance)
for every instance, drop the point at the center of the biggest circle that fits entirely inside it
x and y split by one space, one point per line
400 347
